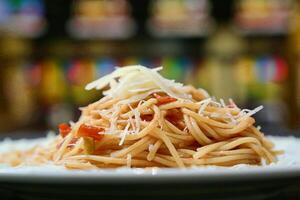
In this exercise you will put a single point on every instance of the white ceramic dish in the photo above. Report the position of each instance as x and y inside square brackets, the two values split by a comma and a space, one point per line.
[237, 182]
[287, 166]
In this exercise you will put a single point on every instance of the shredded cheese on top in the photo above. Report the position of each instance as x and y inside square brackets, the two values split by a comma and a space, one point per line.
[124, 134]
[203, 104]
[135, 79]
[222, 103]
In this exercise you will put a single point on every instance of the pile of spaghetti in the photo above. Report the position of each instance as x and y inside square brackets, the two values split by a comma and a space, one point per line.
[145, 120]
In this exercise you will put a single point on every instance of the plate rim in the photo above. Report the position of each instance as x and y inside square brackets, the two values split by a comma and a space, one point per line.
[114, 176]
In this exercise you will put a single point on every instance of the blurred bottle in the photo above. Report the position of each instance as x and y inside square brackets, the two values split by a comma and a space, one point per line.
[81, 72]
[180, 18]
[53, 92]
[267, 17]
[52, 88]
[266, 86]
[294, 61]
[218, 73]
[173, 68]
[17, 101]
[101, 19]
[23, 18]
[105, 65]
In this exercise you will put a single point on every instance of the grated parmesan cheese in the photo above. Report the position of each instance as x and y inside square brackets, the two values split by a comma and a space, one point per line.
[135, 79]
[203, 104]
[124, 134]
[250, 112]
[137, 117]
[222, 103]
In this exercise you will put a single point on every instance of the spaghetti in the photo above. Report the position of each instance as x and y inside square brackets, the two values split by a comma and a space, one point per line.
[145, 120]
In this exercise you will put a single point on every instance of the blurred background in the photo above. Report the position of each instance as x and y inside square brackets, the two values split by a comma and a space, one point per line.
[248, 50]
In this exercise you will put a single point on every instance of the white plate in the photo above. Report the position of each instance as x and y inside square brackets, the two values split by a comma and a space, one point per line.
[212, 182]
[209, 174]
[287, 166]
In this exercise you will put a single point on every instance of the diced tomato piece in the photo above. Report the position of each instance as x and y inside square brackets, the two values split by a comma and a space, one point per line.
[64, 129]
[99, 151]
[146, 117]
[175, 116]
[163, 99]
[90, 131]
